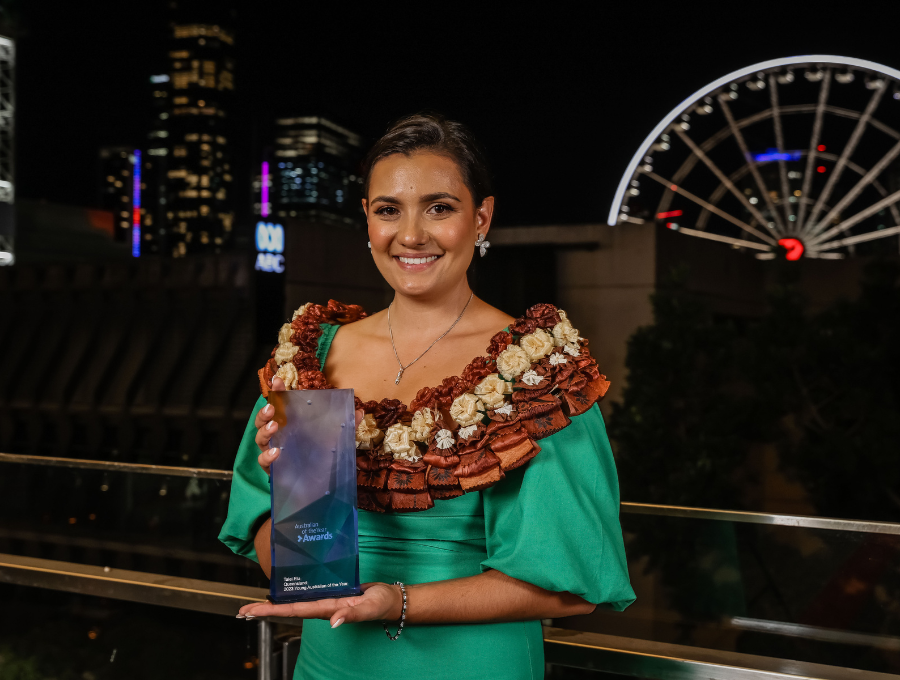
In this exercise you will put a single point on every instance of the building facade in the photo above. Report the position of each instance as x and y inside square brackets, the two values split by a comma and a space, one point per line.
[313, 167]
[117, 188]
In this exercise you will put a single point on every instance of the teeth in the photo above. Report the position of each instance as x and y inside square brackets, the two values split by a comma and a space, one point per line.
[418, 260]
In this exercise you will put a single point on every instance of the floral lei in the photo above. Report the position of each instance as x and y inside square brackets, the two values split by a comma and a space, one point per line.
[466, 433]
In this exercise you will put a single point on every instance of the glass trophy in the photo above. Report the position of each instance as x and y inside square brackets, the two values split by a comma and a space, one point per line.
[315, 543]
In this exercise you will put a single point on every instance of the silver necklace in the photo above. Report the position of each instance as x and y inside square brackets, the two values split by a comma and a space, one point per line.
[391, 331]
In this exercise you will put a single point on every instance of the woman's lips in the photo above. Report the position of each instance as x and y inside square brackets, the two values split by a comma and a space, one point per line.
[415, 263]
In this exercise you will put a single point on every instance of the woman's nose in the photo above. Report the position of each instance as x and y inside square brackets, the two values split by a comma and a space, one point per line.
[411, 232]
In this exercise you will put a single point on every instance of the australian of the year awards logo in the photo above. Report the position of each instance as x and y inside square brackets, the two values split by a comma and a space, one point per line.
[312, 532]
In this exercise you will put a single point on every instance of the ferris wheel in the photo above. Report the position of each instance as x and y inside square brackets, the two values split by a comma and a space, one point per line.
[797, 156]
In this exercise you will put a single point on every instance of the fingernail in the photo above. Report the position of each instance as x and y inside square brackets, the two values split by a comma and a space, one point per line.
[240, 616]
[268, 409]
[273, 452]
[270, 425]
[337, 623]
[249, 616]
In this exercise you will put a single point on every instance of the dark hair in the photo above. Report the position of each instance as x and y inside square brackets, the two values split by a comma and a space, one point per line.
[434, 133]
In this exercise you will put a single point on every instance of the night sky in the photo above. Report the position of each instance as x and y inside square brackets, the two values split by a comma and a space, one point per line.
[559, 96]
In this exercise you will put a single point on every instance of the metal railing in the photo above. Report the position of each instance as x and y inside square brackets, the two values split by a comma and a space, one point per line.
[569, 648]
[577, 649]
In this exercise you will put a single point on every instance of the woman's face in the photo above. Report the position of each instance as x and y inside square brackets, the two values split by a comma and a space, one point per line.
[423, 223]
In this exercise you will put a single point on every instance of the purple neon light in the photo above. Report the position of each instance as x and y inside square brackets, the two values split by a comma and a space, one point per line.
[136, 207]
[265, 190]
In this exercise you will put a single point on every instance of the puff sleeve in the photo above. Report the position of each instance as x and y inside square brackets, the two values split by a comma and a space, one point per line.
[250, 501]
[555, 522]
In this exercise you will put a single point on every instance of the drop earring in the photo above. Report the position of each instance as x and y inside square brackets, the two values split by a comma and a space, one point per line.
[370, 245]
[482, 244]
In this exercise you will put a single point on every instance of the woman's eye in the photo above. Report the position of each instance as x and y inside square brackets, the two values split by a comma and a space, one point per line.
[441, 209]
[387, 210]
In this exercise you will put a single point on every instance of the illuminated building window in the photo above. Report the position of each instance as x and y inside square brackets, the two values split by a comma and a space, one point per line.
[124, 199]
[204, 210]
[205, 193]
[180, 100]
[204, 237]
[159, 133]
[209, 67]
[148, 237]
[204, 180]
[220, 194]
[218, 240]
[220, 140]
[226, 177]
[188, 235]
[125, 214]
[118, 184]
[192, 137]
[177, 174]
[201, 102]
[205, 147]
[124, 225]
[180, 54]
[179, 151]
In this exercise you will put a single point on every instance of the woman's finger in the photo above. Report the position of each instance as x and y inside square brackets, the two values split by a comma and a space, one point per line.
[278, 384]
[263, 416]
[264, 434]
[362, 608]
[360, 414]
[266, 458]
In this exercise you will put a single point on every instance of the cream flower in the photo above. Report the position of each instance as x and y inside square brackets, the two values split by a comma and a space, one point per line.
[288, 373]
[506, 409]
[491, 390]
[466, 408]
[537, 345]
[422, 423]
[556, 359]
[285, 352]
[564, 333]
[444, 439]
[300, 311]
[398, 441]
[532, 378]
[466, 432]
[572, 350]
[284, 334]
[512, 362]
[367, 433]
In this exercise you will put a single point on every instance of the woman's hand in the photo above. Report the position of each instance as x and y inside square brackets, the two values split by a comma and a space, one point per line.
[266, 428]
[379, 602]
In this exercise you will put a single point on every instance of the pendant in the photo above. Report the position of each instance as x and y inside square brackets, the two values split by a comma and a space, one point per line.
[399, 375]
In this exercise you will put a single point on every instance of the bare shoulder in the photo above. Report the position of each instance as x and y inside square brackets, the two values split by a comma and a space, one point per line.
[489, 319]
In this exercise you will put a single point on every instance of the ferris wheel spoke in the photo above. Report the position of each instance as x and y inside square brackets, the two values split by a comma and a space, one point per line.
[866, 179]
[709, 206]
[824, 89]
[723, 239]
[779, 142]
[739, 137]
[723, 178]
[845, 155]
[855, 219]
[861, 238]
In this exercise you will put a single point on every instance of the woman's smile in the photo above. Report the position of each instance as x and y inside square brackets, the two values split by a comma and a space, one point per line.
[415, 262]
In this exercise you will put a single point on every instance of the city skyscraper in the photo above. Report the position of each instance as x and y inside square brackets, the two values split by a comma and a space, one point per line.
[189, 202]
[117, 188]
[7, 136]
[313, 166]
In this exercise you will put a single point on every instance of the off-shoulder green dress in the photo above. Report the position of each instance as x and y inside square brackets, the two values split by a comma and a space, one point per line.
[553, 523]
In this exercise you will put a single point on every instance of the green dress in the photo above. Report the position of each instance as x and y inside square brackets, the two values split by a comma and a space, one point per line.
[553, 523]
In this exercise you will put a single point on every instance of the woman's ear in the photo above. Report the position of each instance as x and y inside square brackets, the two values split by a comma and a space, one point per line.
[365, 207]
[483, 215]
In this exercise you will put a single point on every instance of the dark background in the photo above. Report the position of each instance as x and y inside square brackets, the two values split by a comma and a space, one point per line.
[560, 95]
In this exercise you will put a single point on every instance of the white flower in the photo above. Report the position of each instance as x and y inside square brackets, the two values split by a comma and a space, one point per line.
[444, 439]
[466, 409]
[556, 359]
[398, 441]
[367, 433]
[491, 390]
[288, 373]
[563, 333]
[532, 378]
[285, 352]
[512, 362]
[466, 432]
[284, 335]
[301, 310]
[422, 423]
[572, 350]
[506, 409]
[537, 345]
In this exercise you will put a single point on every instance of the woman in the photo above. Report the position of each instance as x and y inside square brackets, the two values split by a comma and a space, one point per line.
[490, 530]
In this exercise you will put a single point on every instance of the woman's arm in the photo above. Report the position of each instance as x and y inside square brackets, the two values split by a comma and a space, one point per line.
[488, 597]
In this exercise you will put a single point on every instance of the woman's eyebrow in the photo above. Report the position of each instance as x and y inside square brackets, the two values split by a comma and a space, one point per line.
[439, 195]
[386, 199]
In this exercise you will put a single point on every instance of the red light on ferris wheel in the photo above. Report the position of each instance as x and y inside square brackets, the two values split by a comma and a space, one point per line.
[821, 147]
[794, 248]
[671, 213]
[821, 169]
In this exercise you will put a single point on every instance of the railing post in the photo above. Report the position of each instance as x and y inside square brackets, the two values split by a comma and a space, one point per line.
[265, 650]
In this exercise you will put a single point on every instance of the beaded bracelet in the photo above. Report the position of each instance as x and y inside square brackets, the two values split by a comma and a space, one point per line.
[402, 614]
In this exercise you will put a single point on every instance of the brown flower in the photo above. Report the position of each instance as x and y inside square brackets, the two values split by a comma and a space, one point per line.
[499, 343]
[545, 315]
